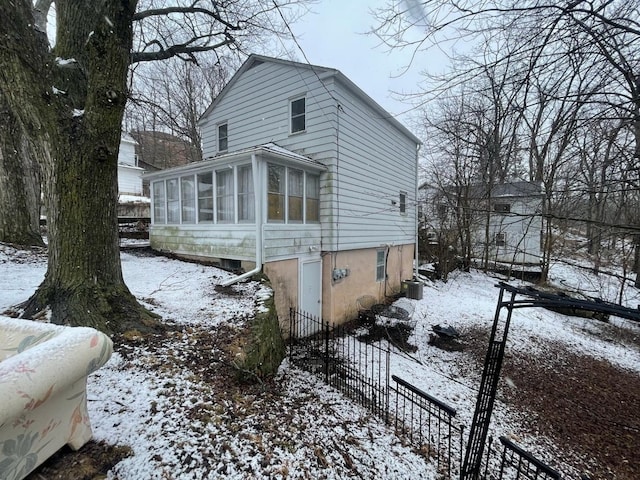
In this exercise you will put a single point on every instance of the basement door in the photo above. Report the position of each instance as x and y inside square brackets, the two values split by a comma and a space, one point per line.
[310, 299]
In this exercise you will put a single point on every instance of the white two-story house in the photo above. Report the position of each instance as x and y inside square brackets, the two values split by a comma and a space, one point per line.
[304, 178]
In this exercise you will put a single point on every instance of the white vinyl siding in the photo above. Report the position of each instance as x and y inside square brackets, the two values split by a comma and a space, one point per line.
[258, 106]
[376, 159]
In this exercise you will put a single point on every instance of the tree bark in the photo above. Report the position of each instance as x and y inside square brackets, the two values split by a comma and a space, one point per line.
[76, 127]
[19, 184]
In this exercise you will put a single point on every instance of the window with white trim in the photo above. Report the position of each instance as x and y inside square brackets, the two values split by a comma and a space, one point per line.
[205, 197]
[159, 199]
[224, 196]
[295, 195]
[223, 137]
[173, 201]
[298, 115]
[276, 193]
[312, 198]
[246, 200]
[188, 197]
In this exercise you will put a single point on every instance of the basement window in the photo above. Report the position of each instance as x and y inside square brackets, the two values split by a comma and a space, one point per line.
[380, 265]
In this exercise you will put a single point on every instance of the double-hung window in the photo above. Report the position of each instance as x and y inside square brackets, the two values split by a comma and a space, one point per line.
[298, 115]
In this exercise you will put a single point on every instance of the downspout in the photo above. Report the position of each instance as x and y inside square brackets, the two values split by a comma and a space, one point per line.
[417, 219]
[257, 196]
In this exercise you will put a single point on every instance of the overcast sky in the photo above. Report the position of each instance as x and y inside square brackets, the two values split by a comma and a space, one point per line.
[333, 35]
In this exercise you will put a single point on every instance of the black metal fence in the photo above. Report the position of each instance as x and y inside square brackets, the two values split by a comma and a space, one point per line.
[428, 425]
[361, 371]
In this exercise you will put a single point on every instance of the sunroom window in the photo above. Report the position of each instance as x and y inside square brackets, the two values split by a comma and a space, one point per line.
[296, 195]
[246, 200]
[188, 196]
[159, 206]
[313, 198]
[276, 193]
[224, 196]
[205, 197]
[173, 201]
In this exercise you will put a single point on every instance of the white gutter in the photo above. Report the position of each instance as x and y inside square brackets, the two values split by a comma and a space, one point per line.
[257, 195]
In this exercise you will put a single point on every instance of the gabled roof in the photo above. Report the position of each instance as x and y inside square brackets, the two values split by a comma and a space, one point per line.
[322, 73]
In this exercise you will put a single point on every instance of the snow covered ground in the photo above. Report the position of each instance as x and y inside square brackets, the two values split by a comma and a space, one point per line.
[178, 426]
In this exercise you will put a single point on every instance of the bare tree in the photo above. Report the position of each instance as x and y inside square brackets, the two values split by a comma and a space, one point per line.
[70, 100]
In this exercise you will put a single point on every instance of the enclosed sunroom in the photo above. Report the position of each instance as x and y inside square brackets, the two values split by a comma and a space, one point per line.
[248, 210]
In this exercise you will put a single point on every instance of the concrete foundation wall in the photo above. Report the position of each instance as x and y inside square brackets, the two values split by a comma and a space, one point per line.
[343, 298]
[283, 275]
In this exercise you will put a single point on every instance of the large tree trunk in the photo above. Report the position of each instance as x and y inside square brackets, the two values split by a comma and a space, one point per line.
[19, 184]
[79, 123]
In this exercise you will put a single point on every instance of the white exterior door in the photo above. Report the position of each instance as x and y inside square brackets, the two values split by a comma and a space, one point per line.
[310, 299]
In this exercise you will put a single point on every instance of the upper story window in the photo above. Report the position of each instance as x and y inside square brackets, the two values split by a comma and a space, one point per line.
[501, 239]
[298, 115]
[403, 202]
[223, 137]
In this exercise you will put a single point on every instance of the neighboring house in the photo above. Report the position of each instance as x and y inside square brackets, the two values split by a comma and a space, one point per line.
[132, 203]
[159, 150]
[129, 173]
[305, 178]
[508, 215]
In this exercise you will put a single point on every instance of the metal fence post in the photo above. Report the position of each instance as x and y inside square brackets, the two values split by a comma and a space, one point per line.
[326, 353]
